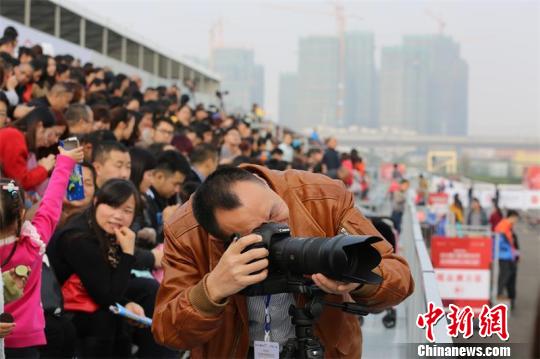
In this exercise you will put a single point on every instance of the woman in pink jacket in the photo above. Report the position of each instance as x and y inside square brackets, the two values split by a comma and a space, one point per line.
[22, 245]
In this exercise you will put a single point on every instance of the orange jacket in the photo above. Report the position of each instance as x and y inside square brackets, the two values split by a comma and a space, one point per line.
[505, 227]
[186, 318]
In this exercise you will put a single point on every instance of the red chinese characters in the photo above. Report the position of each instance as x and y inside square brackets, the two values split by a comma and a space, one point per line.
[494, 321]
[460, 321]
[491, 321]
[429, 319]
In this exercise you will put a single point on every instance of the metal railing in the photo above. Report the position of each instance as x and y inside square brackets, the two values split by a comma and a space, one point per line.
[414, 249]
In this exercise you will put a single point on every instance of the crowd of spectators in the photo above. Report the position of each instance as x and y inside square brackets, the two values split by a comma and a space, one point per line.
[146, 150]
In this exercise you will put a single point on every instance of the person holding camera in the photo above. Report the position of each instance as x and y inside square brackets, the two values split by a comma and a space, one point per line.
[210, 258]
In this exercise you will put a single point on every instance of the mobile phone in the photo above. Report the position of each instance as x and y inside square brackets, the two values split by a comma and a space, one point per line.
[70, 143]
[75, 191]
[123, 312]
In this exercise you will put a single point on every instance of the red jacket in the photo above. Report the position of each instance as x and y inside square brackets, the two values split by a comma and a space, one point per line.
[14, 158]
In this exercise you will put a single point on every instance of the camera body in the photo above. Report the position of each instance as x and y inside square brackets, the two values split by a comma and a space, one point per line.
[344, 258]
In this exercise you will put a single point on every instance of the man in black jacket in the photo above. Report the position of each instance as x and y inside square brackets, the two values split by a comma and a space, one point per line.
[163, 196]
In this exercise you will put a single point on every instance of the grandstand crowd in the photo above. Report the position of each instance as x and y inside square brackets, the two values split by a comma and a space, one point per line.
[143, 152]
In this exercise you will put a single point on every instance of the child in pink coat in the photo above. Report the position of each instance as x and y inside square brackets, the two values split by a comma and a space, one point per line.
[22, 245]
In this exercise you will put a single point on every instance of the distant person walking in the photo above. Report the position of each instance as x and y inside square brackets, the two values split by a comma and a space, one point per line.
[396, 173]
[508, 257]
[331, 157]
[496, 216]
[399, 200]
[476, 216]
[456, 209]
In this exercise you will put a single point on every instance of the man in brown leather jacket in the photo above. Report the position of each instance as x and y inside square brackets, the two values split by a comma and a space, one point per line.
[198, 306]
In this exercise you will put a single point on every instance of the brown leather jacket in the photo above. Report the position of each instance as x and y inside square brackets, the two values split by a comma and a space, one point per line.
[184, 316]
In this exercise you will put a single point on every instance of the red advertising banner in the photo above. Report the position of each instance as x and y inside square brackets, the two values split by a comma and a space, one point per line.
[470, 253]
[462, 269]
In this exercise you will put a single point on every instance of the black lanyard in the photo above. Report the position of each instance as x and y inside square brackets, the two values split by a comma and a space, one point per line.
[11, 253]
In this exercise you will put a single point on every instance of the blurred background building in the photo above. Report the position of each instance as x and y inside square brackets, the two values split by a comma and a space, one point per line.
[421, 85]
[241, 77]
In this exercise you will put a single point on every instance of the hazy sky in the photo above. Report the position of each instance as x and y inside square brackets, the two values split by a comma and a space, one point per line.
[500, 40]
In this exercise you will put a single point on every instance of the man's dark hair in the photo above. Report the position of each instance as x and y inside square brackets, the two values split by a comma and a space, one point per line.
[101, 152]
[77, 74]
[97, 82]
[156, 149]
[25, 51]
[101, 114]
[92, 169]
[61, 68]
[276, 151]
[216, 193]
[512, 213]
[202, 152]
[171, 162]
[232, 128]
[95, 137]
[163, 119]
[313, 150]
[11, 32]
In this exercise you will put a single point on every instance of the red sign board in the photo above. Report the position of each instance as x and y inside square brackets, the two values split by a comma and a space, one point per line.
[462, 269]
[463, 253]
[438, 198]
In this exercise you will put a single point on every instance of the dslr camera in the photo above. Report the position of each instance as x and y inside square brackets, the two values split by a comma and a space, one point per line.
[347, 258]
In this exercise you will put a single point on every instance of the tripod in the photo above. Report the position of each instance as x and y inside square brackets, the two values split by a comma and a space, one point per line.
[305, 345]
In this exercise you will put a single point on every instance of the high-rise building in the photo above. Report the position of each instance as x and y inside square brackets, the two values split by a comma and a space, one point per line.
[391, 88]
[424, 86]
[360, 80]
[317, 81]
[240, 76]
[257, 91]
[288, 95]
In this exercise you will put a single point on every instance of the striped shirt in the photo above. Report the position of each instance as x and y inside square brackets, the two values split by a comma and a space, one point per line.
[281, 327]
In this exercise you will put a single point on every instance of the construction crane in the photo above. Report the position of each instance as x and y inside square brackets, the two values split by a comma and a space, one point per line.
[438, 19]
[339, 14]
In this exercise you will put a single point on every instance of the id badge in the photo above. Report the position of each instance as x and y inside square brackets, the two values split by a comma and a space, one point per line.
[266, 350]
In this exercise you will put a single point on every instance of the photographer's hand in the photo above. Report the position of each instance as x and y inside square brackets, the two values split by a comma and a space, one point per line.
[331, 286]
[234, 270]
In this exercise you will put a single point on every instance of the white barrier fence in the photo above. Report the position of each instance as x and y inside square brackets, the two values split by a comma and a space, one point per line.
[413, 248]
